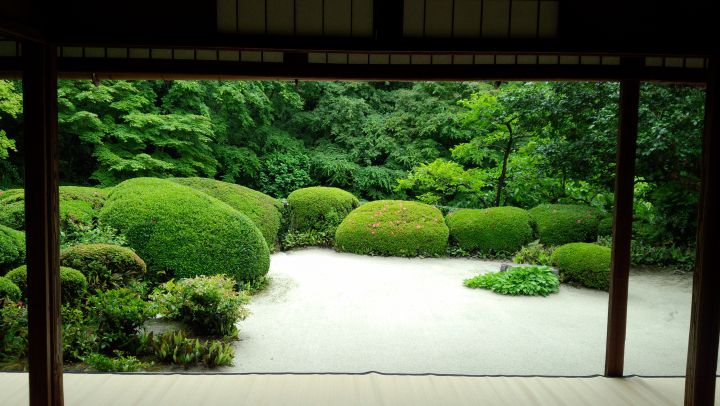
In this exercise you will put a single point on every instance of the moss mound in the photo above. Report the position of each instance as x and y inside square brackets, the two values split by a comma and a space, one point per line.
[490, 231]
[318, 207]
[78, 205]
[586, 264]
[9, 290]
[73, 284]
[12, 248]
[559, 224]
[393, 227]
[105, 266]
[262, 209]
[183, 232]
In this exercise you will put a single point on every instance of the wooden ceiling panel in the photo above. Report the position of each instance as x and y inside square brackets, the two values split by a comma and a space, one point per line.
[468, 14]
[309, 17]
[439, 18]
[495, 22]
[251, 16]
[337, 18]
[280, 17]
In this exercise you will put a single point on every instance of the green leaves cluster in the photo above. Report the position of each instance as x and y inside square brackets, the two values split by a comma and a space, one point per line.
[525, 280]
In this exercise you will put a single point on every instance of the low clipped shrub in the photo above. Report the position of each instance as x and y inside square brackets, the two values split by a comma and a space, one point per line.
[263, 210]
[534, 254]
[105, 266]
[118, 315]
[522, 280]
[9, 290]
[318, 207]
[182, 232]
[13, 331]
[559, 224]
[605, 227]
[12, 248]
[73, 284]
[584, 263]
[78, 206]
[490, 231]
[207, 304]
[393, 227]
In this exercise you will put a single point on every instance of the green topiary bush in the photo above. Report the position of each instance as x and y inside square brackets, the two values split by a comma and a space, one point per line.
[586, 264]
[490, 231]
[262, 209]
[12, 248]
[78, 206]
[393, 227]
[73, 284]
[310, 207]
[183, 232]
[559, 224]
[9, 290]
[605, 227]
[105, 266]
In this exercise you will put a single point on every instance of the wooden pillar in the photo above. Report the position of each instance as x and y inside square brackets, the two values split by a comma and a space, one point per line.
[705, 316]
[622, 227]
[41, 222]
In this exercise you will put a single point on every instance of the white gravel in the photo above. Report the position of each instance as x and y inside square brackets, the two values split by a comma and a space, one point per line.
[331, 312]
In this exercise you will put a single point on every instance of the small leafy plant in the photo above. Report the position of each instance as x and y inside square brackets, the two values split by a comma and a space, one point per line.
[174, 347]
[118, 314]
[526, 280]
[119, 363]
[534, 254]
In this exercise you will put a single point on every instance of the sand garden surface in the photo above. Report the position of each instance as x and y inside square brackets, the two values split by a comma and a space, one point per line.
[330, 312]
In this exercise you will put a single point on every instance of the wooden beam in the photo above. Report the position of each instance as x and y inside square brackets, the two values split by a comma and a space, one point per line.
[622, 227]
[41, 223]
[705, 315]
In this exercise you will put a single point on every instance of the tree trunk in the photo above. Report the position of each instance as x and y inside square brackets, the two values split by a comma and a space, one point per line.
[503, 172]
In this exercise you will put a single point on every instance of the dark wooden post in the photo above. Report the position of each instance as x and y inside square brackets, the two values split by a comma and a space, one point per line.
[622, 227]
[705, 315]
[41, 222]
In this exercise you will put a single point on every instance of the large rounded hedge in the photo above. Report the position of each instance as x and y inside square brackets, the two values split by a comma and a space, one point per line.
[12, 248]
[393, 227]
[494, 230]
[105, 266]
[584, 263]
[319, 207]
[78, 205]
[183, 232]
[262, 209]
[9, 290]
[73, 284]
[605, 226]
[559, 224]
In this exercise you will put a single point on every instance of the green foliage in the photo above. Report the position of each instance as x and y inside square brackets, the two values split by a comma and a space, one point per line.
[176, 348]
[12, 208]
[78, 337]
[605, 226]
[180, 231]
[207, 304]
[281, 173]
[584, 263]
[13, 330]
[393, 227]
[73, 284]
[263, 210]
[443, 182]
[105, 266]
[12, 248]
[118, 315]
[524, 280]
[534, 254]
[494, 230]
[10, 107]
[311, 206]
[91, 234]
[559, 224]
[641, 253]
[9, 290]
[117, 363]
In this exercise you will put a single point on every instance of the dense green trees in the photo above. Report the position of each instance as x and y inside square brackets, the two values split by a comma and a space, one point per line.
[473, 145]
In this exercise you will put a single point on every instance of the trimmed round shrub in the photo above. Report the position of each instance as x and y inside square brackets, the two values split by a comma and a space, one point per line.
[73, 284]
[262, 209]
[182, 232]
[319, 207]
[393, 227]
[559, 224]
[584, 263]
[9, 290]
[605, 226]
[491, 231]
[12, 248]
[78, 205]
[104, 265]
